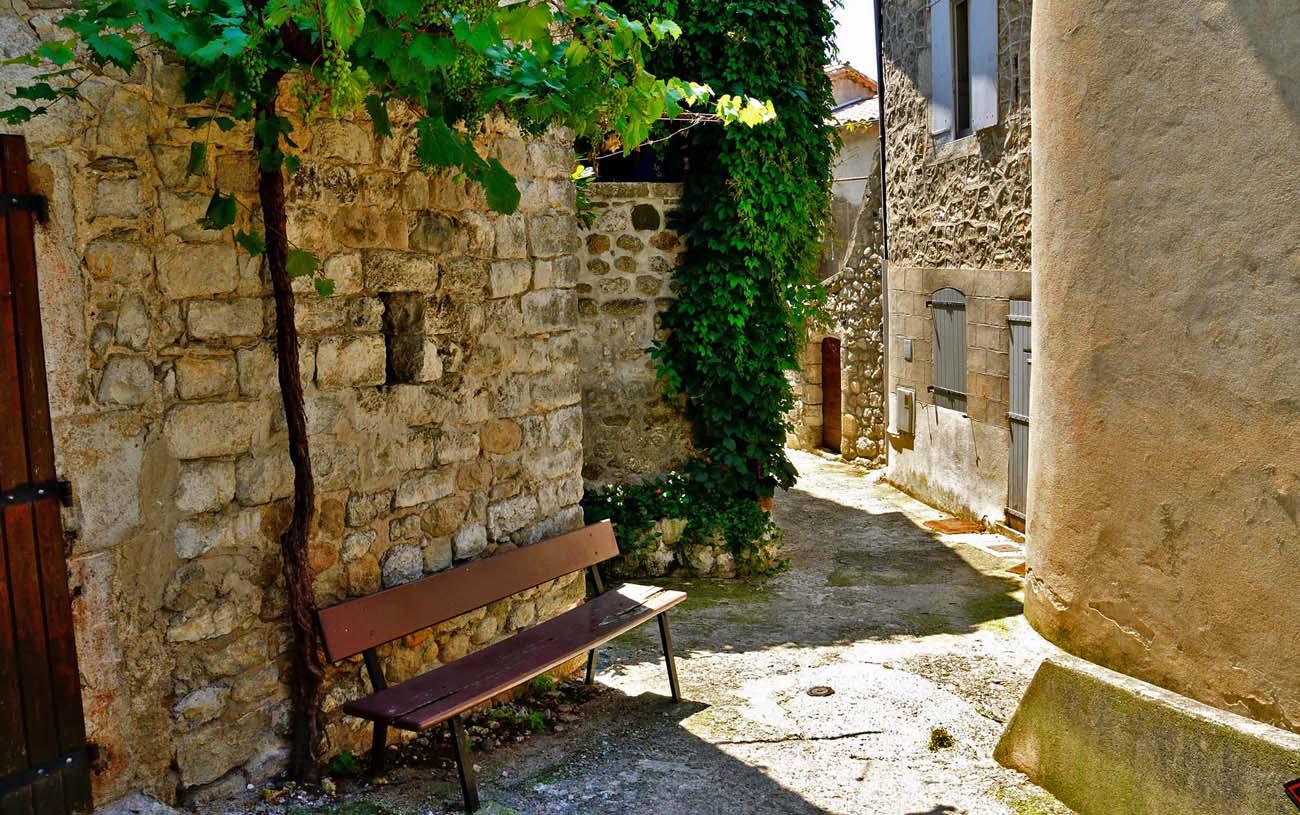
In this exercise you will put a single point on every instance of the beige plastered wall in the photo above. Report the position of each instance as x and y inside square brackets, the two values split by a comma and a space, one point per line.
[1165, 479]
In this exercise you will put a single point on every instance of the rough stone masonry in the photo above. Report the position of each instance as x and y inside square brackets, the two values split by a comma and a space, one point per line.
[442, 396]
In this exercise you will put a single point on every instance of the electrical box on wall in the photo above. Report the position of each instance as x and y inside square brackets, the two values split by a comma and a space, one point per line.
[902, 412]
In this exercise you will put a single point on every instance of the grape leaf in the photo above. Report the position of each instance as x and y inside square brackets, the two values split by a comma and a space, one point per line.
[378, 111]
[345, 19]
[502, 191]
[198, 159]
[432, 52]
[251, 242]
[221, 211]
[301, 264]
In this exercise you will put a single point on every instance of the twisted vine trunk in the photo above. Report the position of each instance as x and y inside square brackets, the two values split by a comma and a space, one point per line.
[307, 669]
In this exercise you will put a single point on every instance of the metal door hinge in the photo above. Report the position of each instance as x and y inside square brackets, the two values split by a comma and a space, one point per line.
[25, 778]
[31, 493]
[25, 202]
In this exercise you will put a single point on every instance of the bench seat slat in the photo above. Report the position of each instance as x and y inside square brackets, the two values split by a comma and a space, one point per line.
[430, 699]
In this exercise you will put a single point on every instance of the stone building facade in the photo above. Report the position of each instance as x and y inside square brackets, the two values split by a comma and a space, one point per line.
[442, 393]
[625, 282]
[851, 273]
[959, 218]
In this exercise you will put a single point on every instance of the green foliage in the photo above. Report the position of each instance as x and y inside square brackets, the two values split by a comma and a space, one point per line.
[578, 63]
[519, 717]
[754, 209]
[541, 685]
[345, 763]
[713, 516]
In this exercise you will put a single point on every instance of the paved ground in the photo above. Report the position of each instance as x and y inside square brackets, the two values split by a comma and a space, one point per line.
[913, 632]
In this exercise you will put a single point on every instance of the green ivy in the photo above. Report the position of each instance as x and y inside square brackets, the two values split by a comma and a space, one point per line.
[754, 209]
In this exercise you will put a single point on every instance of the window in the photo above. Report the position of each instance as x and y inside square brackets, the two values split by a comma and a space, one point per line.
[964, 63]
[948, 312]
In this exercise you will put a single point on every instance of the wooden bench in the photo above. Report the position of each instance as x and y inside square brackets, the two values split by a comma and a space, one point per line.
[445, 693]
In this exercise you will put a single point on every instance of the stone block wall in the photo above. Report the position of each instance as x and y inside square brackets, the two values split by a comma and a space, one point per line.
[958, 212]
[625, 283]
[442, 394]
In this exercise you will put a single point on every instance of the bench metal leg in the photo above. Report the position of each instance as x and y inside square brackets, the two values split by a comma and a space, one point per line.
[465, 764]
[591, 666]
[378, 748]
[668, 656]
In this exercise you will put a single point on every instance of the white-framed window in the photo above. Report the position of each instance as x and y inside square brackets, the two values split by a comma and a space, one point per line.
[964, 67]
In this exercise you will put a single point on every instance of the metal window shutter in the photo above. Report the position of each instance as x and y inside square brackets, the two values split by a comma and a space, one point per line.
[948, 312]
[941, 77]
[983, 63]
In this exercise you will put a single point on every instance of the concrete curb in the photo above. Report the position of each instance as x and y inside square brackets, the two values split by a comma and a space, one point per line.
[1107, 744]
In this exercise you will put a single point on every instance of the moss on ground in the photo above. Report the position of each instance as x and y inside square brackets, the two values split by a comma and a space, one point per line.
[926, 623]
[1027, 802]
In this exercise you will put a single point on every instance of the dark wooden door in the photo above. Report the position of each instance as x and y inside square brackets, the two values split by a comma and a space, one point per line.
[832, 395]
[43, 762]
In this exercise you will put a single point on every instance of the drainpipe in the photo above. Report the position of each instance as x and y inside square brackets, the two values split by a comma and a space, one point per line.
[884, 221]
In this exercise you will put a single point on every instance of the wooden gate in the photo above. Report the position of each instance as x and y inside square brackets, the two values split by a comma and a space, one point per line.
[832, 395]
[1018, 414]
[43, 758]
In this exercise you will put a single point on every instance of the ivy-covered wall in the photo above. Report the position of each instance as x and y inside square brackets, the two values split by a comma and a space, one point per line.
[753, 211]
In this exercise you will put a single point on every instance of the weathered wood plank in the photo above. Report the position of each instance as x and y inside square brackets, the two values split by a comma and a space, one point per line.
[434, 697]
[353, 626]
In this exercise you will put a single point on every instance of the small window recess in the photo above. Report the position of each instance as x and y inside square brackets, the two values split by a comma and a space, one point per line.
[961, 66]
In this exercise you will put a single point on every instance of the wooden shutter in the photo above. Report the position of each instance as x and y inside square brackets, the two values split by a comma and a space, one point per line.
[983, 63]
[43, 758]
[941, 77]
[948, 311]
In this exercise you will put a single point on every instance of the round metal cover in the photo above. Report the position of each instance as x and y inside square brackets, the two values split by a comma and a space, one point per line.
[821, 690]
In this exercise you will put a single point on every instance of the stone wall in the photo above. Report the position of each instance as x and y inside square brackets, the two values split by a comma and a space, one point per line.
[854, 316]
[442, 395]
[958, 212]
[624, 284]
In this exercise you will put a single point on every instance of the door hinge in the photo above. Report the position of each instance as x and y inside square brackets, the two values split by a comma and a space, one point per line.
[25, 778]
[25, 202]
[31, 493]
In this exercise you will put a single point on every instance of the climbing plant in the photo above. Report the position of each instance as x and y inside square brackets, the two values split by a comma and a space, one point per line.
[754, 209]
[445, 64]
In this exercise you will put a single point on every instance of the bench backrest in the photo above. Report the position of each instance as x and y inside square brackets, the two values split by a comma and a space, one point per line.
[354, 626]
